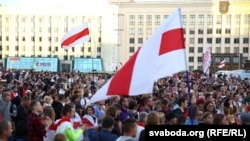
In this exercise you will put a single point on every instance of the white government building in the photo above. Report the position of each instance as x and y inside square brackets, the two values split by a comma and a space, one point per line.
[119, 27]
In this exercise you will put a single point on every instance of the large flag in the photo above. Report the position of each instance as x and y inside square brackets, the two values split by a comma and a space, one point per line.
[222, 64]
[75, 36]
[163, 54]
[206, 59]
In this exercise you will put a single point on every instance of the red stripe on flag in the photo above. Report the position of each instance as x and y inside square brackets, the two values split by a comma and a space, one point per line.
[120, 83]
[172, 40]
[75, 37]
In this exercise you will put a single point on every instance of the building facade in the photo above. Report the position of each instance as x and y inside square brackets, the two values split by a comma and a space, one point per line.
[224, 25]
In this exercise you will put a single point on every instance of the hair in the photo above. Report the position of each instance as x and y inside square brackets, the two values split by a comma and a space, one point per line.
[181, 100]
[107, 122]
[111, 111]
[61, 97]
[218, 118]
[205, 115]
[60, 137]
[152, 118]
[26, 98]
[67, 108]
[49, 111]
[89, 107]
[4, 125]
[128, 124]
[132, 104]
[33, 104]
[142, 116]
[162, 119]
[181, 120]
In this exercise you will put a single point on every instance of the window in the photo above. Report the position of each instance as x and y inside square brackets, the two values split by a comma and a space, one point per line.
[227, 31]
[40, 48]
[184, 19]
[191, 49]
[236, 50]
[33, 39]
[200, 49]
[209, 19]
[192, 19]
[16, 48]
[131, 20]
[235, 59]
[218, 31]
[149, 19]
[200, 40]
[218, 40]
[245, 40]
[49, 48]
[227, 49]
[140, 40]
[131, 40]
[209, 40]
[228, 19]
[89, 49]
[140, 31]
[98, 49]
[191, 59]
[247, 19]
[157, 19]
[237, 19]
[40, 39]
[201, 19]
[218, 19]
[191, 68]
[7, 38]
[73, 49]
[218, 49]
[131, 31]
[165, 16]
[140, 19]
[191, 40]
[65, 57]
[236, 40]
[191, 31]
[200, 31]
[217, 60]
[245, 49]
[209, 31]
[199, 59]
[131, 49]
[56, 39]
[227, 40]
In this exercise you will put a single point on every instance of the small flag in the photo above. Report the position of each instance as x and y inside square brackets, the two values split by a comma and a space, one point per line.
[75, 36]
[222, 64]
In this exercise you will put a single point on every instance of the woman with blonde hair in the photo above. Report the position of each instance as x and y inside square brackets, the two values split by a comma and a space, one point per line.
[49, 116]
[152, 119]
[162, 119]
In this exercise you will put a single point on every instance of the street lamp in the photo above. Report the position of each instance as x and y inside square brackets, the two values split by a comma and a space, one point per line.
[239, 60]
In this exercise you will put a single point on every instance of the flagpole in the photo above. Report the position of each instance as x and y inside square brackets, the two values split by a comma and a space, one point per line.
[190, 99]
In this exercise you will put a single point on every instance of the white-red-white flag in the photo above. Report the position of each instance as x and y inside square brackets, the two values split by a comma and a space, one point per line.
[206, 59]
[222, 64]
[76, 36]
[163, 54]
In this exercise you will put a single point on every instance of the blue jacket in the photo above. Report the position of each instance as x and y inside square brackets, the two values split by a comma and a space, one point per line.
[103, 135]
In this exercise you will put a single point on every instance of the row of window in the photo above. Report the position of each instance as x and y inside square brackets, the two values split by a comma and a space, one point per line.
[201, 40]
[40, 39]
[49, 19]
[217, 59]
[200, 31]
[192, 19]
[18, 48]
[200, 49]
[65, 57]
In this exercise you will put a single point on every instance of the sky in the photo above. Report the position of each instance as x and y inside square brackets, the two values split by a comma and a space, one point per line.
[51, 2]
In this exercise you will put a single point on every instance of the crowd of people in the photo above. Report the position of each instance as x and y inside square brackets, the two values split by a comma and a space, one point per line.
[45, 106]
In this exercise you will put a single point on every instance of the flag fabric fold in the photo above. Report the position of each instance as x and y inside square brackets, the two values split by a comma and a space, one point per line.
[163, 54]
[206, 59]
[76, 36]
[222, 64]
